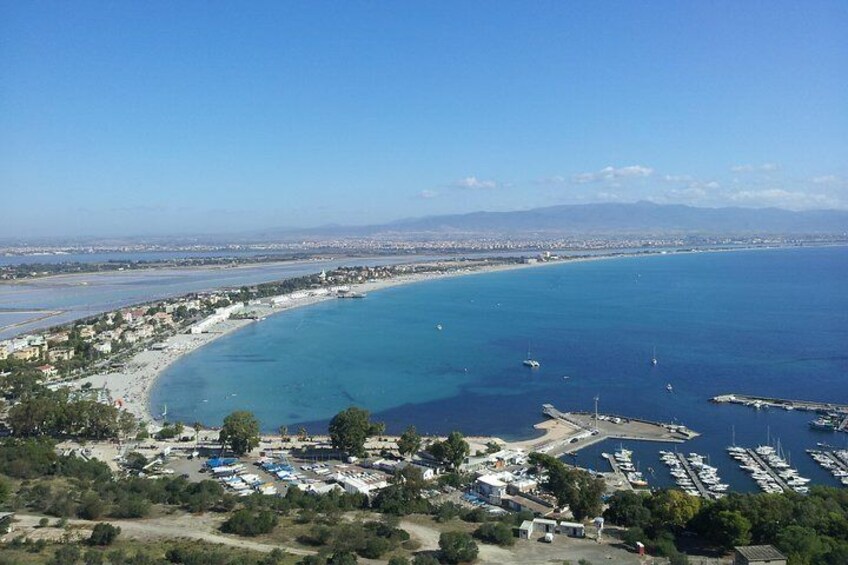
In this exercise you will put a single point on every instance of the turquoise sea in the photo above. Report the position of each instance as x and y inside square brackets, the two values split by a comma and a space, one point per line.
[769, 322]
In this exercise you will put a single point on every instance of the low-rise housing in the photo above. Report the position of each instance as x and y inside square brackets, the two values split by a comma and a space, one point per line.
[104, 347]
[60, 354]
[27, 353]
[48, 370]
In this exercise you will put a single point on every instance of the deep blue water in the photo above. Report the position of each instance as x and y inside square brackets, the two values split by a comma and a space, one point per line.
[761, 322]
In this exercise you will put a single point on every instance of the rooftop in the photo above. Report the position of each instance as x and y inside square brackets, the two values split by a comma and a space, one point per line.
[759, 552]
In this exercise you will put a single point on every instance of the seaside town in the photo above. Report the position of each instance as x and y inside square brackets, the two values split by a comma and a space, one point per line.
[424, 283]
[515, 491]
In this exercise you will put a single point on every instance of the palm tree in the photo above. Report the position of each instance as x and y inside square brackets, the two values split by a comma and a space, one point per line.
[197, 427]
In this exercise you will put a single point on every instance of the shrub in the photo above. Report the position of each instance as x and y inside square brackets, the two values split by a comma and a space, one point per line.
[496, 533]
[103, 534]
[457, 547]
[248, 523]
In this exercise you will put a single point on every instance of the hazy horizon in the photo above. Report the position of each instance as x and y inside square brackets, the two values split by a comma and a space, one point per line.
[164, 119]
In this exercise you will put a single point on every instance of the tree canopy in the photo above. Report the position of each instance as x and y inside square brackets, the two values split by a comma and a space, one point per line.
[452, 451]
[350, 428]
[240, 432]
[574, 487]
[409, 442]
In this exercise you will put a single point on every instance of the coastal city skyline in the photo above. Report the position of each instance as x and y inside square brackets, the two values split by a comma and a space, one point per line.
[171, 119]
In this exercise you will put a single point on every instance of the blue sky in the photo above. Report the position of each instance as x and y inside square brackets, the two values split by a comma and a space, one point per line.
[171, 117]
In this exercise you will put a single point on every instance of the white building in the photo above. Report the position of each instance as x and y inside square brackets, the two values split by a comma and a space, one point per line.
[491, 489]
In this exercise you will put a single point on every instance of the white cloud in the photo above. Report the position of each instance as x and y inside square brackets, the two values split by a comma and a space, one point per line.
[677, 178]
[784, 199]
[613, 173]
[556, 179]
[763, 168]
[827, 179]
[473, 183]
[427, 194]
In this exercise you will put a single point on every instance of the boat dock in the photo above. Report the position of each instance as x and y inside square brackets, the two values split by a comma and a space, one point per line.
[617, 471]
[786, 404]
[693, 476]
[767, 468]
[834, 462]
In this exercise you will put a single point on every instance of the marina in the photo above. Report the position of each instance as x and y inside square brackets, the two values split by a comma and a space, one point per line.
[769, 469]
[835, 462]
[622, 465]
[694, 475]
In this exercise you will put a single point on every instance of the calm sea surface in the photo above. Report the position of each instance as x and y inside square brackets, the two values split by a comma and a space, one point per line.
[760, 322]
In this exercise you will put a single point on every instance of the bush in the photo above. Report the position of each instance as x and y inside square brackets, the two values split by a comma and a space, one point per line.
[249, 523]
[457, 547]
[103, 534]
[495, 532]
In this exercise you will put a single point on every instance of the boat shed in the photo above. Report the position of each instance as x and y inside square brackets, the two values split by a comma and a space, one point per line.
[572, 529]
[525, 530]
[758, 555]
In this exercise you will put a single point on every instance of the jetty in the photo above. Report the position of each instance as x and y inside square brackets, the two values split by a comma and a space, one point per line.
[786, 404]
[767, 468]
[693, 476]
[619, 474]
[589, 428]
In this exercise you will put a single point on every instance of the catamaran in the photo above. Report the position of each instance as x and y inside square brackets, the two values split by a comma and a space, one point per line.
[530, 362]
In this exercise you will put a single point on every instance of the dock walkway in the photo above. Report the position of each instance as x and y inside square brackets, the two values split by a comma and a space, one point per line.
[617, 470]
[767, 468]
[702, 490]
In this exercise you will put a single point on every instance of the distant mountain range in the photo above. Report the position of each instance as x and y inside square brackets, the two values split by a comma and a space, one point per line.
[634, 218]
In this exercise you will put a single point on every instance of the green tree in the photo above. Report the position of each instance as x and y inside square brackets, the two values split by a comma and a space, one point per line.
[350, 428]
[135, 461]
[802, 545]
[729, 528]
[673, 508]
[626, 508]
[409, 442]
[457, 547]
[452, 451]
[240, 432]
[574, 487]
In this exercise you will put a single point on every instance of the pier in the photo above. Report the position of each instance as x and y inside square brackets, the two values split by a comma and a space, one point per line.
[618, 472]
[786, 404]
[767, 468]
[693, 476]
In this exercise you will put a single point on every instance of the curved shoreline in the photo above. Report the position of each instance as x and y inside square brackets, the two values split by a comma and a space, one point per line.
[133, 385]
